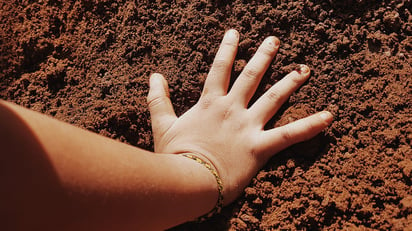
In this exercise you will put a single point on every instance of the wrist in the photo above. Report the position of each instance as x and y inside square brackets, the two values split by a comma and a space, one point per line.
[232, 188]
[200, 182]
[212, 169]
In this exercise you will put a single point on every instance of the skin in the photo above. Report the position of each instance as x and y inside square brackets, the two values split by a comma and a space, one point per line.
[57, 176]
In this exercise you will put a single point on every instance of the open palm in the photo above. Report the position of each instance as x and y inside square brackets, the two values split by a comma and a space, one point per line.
[220, 128]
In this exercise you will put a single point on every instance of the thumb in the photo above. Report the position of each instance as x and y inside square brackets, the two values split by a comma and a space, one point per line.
[160, 106]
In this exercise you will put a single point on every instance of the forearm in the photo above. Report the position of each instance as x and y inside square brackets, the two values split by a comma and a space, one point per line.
[69, 177]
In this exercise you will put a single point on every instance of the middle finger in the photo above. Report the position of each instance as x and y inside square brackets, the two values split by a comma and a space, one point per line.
[246, 84]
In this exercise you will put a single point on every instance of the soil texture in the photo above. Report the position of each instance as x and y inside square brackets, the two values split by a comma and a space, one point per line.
[87, 62]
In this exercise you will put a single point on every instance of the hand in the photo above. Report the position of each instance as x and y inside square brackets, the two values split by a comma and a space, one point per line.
[220, 128]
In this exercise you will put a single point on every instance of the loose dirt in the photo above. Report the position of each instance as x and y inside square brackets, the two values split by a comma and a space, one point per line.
[87, 62]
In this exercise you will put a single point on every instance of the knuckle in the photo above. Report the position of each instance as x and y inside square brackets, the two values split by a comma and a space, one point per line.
[205, 102]
[229, 44]
[154, 101]
[220, 64]
[227, 113]
[286, 134]
[273, 96]
[254, 153]
[250, 73]
[307, 132]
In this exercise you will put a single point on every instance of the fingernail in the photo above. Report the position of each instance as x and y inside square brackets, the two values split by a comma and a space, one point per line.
[273, 41]
[277, 42]
[231, 34]
[326, 116]
[156, 79]
[303, 69]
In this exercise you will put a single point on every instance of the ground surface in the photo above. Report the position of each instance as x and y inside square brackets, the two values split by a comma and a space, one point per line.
[87, 62]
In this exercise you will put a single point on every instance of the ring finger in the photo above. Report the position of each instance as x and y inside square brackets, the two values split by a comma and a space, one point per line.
[268, 104]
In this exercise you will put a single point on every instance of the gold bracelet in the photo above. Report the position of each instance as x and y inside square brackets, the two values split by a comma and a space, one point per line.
[219, 203]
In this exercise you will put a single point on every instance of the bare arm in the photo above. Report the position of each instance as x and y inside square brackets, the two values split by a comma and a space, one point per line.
[57, 175]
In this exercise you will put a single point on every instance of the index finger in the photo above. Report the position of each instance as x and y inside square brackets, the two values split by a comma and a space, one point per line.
[217, 81]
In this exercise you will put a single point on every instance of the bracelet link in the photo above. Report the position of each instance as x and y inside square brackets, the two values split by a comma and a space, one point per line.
[219, 203]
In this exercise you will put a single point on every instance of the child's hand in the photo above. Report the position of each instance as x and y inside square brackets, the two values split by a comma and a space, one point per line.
[220, 128]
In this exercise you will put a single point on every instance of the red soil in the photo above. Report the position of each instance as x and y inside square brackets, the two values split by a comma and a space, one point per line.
[87, 62]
